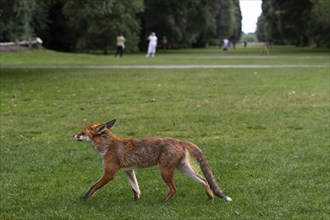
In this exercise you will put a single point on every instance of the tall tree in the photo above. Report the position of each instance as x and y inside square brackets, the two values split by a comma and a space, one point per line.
[172, 19]
[298, 22]
[20, 20]
[6, 20]
[58, 35]
[222, 20]
[96, 23]
[191, 22]
[319, 29]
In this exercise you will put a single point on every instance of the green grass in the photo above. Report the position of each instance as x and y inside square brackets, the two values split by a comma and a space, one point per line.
[264, 131]
[254, 54]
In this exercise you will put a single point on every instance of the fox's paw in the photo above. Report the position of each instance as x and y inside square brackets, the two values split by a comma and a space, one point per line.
[84, 197]
[228, 199]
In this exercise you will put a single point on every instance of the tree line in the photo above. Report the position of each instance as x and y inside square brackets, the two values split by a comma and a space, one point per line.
[296, 22]
[92, 25]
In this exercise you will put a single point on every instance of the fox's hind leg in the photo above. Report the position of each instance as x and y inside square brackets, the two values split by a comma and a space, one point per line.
[167, 175]
[188, 170]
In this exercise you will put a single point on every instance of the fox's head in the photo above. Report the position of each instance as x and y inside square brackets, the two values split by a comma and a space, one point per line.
[91, 131]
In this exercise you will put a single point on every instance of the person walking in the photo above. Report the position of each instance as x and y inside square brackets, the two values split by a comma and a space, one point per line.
[120, 45]
[152, 44]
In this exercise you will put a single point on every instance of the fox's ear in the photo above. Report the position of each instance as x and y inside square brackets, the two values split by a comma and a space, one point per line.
[110, 123]
[101, 128]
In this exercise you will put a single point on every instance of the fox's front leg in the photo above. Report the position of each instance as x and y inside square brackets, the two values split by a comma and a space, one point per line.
[107, 176]
[134, 183]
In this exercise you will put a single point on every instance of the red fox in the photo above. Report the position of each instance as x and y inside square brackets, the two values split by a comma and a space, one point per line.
[126, 154]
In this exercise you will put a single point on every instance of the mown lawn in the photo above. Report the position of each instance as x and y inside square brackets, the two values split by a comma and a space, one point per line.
[264, 131]
[253, 55]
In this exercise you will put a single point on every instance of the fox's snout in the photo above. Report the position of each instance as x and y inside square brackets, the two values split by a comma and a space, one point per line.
[76, 137]
[79, 137]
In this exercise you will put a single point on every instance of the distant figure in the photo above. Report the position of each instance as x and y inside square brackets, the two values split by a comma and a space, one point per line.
[244, 44]
[234, 43]
[152, 44]
[266, 47]
[225, 44]
[270, 43]
[120, 45]
[164, 43]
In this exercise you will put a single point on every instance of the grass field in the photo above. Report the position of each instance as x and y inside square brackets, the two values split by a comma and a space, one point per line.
[255, 54]
[265, 133]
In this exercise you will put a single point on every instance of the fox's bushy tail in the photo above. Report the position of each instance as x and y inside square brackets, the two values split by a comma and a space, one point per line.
[201, 158]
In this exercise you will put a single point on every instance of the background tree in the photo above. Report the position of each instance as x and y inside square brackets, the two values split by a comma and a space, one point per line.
[189, 23]
[96, 23]
[175, 19]
[21, 20]
[224, 21]
[298, 22]
[249, 38]
[319, 28]
[92, 25]
[58, 35]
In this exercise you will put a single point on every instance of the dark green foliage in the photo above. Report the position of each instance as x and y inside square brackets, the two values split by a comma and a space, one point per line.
[70, 25]
[192, 22]
[21, 20]
[97, 23]
[58, 35]
[297, 22]
[92, 25]
[320, 24]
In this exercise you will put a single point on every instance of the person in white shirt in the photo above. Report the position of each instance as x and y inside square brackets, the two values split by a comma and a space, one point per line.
[225, 44]
[152, 44]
